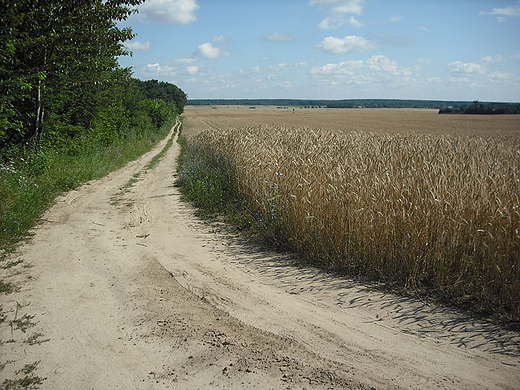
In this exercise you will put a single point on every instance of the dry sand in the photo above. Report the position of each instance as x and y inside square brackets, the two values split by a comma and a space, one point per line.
[133, 292]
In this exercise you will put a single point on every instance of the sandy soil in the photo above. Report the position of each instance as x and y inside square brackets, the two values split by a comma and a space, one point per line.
[132, 292]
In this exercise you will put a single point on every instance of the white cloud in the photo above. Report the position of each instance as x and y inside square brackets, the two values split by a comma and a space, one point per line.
[192, 70]
[176, 11]
[435, 80]
[332, 22]
[493, 59]
[354, 22]
[338, 20]
[501, 77]
[516, 57]
[512, 10]
[207, 50]
[284, 85]
[136, 45]
[345, 45]
[470, 68]
[424, 28]
[376, 63]
[159, 71]
[221, 39]
[342, 68]
[340, 6]
[279, 37]
[293, 65]
[380, 62]
[395, 18]
[182, 61]
[337, 10]
[425, 60]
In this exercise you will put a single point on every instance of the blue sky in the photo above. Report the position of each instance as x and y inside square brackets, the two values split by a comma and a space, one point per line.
[330, 49]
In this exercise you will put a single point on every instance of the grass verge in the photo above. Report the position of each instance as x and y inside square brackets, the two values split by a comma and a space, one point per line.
[30, 183]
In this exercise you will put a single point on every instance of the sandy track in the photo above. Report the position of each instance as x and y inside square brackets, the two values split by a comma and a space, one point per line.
[134, 293]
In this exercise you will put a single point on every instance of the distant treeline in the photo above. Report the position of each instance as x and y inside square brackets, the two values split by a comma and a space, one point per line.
[479, 108]
[351, 103]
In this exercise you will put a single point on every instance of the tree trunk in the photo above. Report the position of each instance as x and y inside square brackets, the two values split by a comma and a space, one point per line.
[38, 122]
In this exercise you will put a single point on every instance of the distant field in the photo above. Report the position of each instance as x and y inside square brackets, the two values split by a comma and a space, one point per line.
[354, 119]
[417, 200]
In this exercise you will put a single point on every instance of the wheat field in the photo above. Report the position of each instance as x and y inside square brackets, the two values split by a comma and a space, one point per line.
[416, 200]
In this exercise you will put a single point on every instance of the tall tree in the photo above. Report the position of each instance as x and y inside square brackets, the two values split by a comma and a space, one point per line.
[48, 45]
[153, 89]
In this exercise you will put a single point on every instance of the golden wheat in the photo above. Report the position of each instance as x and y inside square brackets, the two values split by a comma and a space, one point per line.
[420, 210]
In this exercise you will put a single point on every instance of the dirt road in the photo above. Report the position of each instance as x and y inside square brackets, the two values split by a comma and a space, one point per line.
[132, 292]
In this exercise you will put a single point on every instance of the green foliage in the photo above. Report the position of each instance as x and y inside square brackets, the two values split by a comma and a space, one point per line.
[202, 182]
[29, 183]
[479, 108]
[348, 103]
[159, 111]
[26, 379]
[68, 112]
[51, 52]
[153, 89]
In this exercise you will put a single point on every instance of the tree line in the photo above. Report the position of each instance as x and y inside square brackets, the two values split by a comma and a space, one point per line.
[478, 108]
[348, 103]
[60, 80]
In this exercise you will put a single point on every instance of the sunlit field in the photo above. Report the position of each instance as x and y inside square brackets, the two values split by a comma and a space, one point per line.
[362, 119]
[423, 202]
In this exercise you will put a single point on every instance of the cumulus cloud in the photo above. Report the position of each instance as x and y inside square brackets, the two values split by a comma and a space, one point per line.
[192, 70]
[340, 6]
[221, 39]
[377, 63]
[159, 71]
[292, 65]
[395, 18]
[434, 80]
[459, 67]
[342, 68]
[139, 45]
[338, 20]
[207, 50]
[279, 37]
[384, 39]
[381, 62]
[512, 10]
[176, 11]
[284, 66]
[493, 59]
[501, 77]
[337, 10]
[345, 45]
[189, 60]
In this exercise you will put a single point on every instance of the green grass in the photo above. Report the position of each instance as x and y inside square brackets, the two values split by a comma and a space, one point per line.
[30, 182]
[203, 183]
